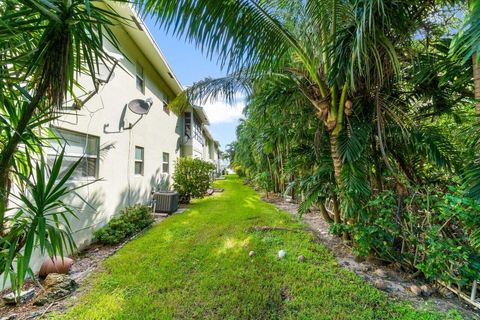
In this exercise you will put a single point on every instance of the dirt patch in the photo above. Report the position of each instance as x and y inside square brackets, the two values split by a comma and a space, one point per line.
[385, 277]
[86, 262]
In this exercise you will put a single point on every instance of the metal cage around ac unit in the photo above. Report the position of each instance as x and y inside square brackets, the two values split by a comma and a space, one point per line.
[165, 202]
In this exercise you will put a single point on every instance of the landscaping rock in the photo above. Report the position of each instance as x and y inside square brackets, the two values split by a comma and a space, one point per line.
[380, 273]
[57, 286]
[375, 261]
[24, 296]
[426, 290]
[251, 253]
[365, 268]
[301, 258]
[33, 315]
[381, 284]
[359, 259]
[416, 290]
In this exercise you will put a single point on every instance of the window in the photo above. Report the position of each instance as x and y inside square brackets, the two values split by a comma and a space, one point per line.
[166, 163]
[166, 109]
[188, 125]
[197, 130]
[139, 160]
[77, 146]
[140, 78]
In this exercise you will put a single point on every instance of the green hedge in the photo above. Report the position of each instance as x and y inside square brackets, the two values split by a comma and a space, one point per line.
[192, 178]
[130, 221]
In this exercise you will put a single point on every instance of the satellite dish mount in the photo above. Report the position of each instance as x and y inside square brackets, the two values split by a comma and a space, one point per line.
[140, 107]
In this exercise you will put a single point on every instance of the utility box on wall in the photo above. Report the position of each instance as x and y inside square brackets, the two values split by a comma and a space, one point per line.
[165, 202]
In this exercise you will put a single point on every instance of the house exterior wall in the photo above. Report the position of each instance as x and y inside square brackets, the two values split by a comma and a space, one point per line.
[106, 116]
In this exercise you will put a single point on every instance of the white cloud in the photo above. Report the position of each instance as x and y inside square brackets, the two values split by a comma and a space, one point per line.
[221, 112]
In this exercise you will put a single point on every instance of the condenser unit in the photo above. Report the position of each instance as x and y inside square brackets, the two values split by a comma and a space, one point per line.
[165, 202]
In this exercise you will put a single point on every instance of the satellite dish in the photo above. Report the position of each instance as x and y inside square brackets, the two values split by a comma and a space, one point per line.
[140, 106]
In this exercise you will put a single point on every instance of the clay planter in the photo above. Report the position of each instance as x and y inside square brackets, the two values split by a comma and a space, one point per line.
[55, 265]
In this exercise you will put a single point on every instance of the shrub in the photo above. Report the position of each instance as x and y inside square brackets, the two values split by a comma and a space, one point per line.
[130, 221]
[192, 178]
[437, 233]
[239, 171]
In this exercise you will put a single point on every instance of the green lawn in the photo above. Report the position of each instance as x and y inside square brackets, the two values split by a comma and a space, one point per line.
[195, 265]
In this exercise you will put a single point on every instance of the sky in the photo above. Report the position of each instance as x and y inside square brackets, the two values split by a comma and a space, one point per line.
[189, 66]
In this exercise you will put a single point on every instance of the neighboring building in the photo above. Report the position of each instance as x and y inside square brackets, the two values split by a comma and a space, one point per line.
[130, 154]
[197, 141]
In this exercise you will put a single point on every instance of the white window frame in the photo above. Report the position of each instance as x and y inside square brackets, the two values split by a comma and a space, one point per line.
[141, 161]
[166, 163]
[52, 152]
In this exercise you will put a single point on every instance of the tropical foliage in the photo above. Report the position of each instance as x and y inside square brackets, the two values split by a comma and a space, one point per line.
[44, 47]
[357, 108]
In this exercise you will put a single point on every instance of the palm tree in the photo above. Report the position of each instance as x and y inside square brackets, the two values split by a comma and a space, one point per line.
[332, 51]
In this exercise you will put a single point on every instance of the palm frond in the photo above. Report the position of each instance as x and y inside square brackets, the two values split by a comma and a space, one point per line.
[242, 33]
[467, 41]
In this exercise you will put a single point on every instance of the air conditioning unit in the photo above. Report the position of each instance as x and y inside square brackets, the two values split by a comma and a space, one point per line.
[165, 202]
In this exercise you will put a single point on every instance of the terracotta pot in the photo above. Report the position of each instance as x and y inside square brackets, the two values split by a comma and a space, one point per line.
[55, 265]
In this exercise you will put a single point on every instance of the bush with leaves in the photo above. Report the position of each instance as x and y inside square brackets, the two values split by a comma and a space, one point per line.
[437, 233]
[192, 178]
[130, 221]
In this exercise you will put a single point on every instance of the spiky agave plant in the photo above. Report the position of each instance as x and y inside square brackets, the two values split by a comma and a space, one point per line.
[40, 220]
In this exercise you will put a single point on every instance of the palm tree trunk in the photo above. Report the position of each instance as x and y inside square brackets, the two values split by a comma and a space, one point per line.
[476, 79]
[337, 162]
[324, 213]
[336, 210]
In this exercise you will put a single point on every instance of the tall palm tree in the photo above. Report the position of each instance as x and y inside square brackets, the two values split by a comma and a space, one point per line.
[330, 49]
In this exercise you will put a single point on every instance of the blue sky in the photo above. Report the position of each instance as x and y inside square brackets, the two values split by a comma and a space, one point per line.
[190, 65]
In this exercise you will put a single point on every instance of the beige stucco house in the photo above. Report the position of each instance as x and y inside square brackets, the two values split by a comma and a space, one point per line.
[129, 154]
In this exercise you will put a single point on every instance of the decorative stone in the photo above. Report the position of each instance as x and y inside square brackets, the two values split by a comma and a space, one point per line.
[426, 290]
[33, 315]
[374, 260]
[57, 286]
[380, 273]
[281, 254]
[359, 259]
[12, 298]
[365, 268]
[301, 258]
[251, 253]
[416, 290]
[381, 284]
